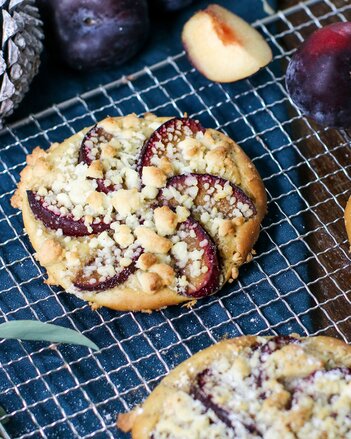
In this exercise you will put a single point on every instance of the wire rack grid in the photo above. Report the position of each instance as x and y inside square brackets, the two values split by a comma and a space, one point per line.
[297, 282]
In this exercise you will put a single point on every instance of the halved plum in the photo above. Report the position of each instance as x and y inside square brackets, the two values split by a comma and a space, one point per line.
[55, 221]
[201, 391]
[93, 138]
[92, 281]
[163, 142]
[209, 192]
[203, 275]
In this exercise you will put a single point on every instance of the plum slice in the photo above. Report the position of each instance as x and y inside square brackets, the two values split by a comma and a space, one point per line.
[203, 274]
[344, 372]
[163, 142]
[265, 349]
[201, 391]
[54, 220]
[92, 139]
[307, 385]
[90, 281]
[87, 154]
[274, 344]
[210, 194]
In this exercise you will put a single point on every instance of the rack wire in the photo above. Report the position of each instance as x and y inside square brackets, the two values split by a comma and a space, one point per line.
[298, 282]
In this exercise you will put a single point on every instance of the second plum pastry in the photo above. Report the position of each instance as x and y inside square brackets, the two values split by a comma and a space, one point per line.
[141, 213]
[348, 219]
[279, 387]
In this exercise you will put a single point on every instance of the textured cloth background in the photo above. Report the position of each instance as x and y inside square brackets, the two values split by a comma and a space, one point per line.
[56, 82]
[259, 301]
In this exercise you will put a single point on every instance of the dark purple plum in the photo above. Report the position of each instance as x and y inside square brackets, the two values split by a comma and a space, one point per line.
[201, 390]
[208, 187]
[170, 5]
[318, 76]
[66, 223]
[100, 136]
[99, 33]
[92, 282]
[206, 283]
[177, 129]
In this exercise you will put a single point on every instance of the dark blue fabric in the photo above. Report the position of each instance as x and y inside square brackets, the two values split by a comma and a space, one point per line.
[268, 294]
[56, 82]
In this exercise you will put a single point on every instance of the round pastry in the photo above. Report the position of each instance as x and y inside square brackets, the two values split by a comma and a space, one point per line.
[141, 213]
[252, 387]
[348, 219]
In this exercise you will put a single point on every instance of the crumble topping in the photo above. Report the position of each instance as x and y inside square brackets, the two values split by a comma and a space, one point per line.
[277, 388]
[98, 182]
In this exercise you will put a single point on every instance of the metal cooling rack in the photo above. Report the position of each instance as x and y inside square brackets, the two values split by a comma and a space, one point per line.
[298, 282]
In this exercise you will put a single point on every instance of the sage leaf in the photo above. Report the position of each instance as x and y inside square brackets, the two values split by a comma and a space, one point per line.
[39, 331]
[2, 412]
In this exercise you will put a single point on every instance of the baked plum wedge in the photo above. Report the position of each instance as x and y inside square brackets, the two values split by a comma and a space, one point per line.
[344, 372]
[163, 142]
[90, 151]
[54, 220]
[312, 387]
[210, 194]
[201, 391]
[201, 265]
[89, 279]
[274, 344]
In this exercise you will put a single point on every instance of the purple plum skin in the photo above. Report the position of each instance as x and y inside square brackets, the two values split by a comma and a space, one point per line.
[199, 392]
[84, 150]
[99, 33]
[275, 343]
[66, 223]
[279, 342]
[112, 281]
[210, 282]
[84, 156]
[318, 76]
[161, 135]
[178, 182]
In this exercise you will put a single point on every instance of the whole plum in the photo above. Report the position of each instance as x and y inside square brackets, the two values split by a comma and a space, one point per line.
[318, 77]
[99, 33]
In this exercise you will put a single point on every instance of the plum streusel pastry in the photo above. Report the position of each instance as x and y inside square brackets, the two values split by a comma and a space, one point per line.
[279, 387]
[348, 219]
[140, 213]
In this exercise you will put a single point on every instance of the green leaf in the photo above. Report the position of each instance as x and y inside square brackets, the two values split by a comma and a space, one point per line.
[39, 331]
[2, 412]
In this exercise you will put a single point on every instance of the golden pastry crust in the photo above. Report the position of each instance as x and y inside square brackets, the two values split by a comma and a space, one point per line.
[348, 219]
[149, 288]
[273, 413]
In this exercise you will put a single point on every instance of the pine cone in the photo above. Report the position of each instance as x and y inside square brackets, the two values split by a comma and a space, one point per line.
[21, 33]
